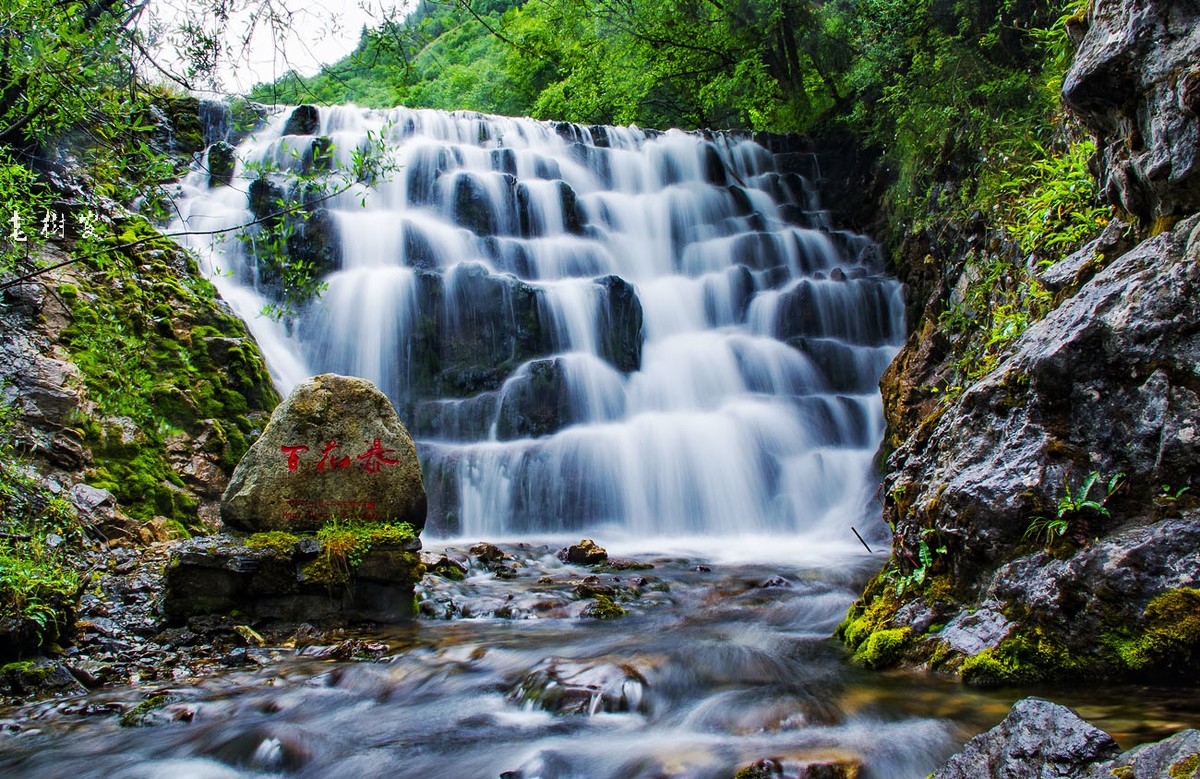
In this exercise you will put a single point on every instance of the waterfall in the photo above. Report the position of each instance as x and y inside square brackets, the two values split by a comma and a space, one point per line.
[584, 329]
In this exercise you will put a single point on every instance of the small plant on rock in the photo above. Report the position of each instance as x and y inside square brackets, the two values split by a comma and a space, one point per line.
[1074, 510]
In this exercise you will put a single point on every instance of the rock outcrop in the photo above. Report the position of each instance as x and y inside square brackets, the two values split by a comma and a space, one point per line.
[1136, 81]
[334, 450]
[1044, 522]
[1044, 739]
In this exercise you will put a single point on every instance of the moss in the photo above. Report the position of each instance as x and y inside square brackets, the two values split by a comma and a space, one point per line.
[1123, 772]
[753, 772]
[138, 716]
[1168, 638]
[883, 648]
[1030, 657]
[604, 607]
[614, 566]
[343, 545]
[138, 335]
[1185, 768]
[871, 613]
[18, 667]
[279, 541]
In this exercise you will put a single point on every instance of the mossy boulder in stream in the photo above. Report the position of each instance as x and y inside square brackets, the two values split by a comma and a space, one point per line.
[334, 450]
[346, 572]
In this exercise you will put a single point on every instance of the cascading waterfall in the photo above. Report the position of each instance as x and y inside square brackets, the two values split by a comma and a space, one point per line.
[584, 328]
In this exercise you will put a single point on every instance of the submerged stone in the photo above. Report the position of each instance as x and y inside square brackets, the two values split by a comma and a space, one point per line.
[335, 449]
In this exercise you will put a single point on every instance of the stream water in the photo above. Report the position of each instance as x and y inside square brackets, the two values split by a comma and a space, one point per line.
[655, 340]
[718, 664]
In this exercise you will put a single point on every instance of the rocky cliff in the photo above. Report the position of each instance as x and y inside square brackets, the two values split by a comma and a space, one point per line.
[1044, 518]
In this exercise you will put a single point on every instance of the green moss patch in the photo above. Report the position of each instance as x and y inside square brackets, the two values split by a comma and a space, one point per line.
[344, 544]
[1029, 657]
[279, 541]
[1168, 637]
[156, 348]
[1185, 768]
[604, 607]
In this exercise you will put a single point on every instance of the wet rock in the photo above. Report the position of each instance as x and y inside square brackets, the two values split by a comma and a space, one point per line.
[584, 687]
[1037, 738]
[1175, 757]
[1105, 384]
[335, 448]
[586, 552]
[485, 553]
[775, 582]
[1134, 82]
[603, 607]
[535, 403]
[972, 632]
[221, 163]
[620, 325]
[212, 577]
[315, 243]
[265, 198]
[305, 120]
[445, 567]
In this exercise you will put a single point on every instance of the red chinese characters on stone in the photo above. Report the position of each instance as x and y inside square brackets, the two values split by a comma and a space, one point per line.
[372, 460]
[293, 453]
[332, 463]
[376, 457]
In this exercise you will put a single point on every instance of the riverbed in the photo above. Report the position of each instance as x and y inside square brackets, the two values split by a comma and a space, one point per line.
[721, 660]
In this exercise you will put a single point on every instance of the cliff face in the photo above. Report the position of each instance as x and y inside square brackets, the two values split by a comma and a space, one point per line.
[1044, 519]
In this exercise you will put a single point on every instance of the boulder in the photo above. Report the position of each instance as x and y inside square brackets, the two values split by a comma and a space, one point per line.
[335, 449]
[1037, 738]
[278, 579]
[305, 120]
[1042, 739]
[221, 162]
[586, 552]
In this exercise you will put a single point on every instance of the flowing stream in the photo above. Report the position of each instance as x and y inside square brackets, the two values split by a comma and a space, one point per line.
[655, 340]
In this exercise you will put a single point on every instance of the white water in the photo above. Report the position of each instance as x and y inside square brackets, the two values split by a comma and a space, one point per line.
[474, 289]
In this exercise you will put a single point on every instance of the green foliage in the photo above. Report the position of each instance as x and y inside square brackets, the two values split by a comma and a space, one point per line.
[39, 532]
[925, 560]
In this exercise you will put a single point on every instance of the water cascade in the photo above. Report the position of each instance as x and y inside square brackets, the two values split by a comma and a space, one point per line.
[584, 328]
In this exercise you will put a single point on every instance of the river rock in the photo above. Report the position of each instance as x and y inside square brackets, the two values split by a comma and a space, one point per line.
[335, 449]
[1037, 738]
[586, 552]
[563, 686]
